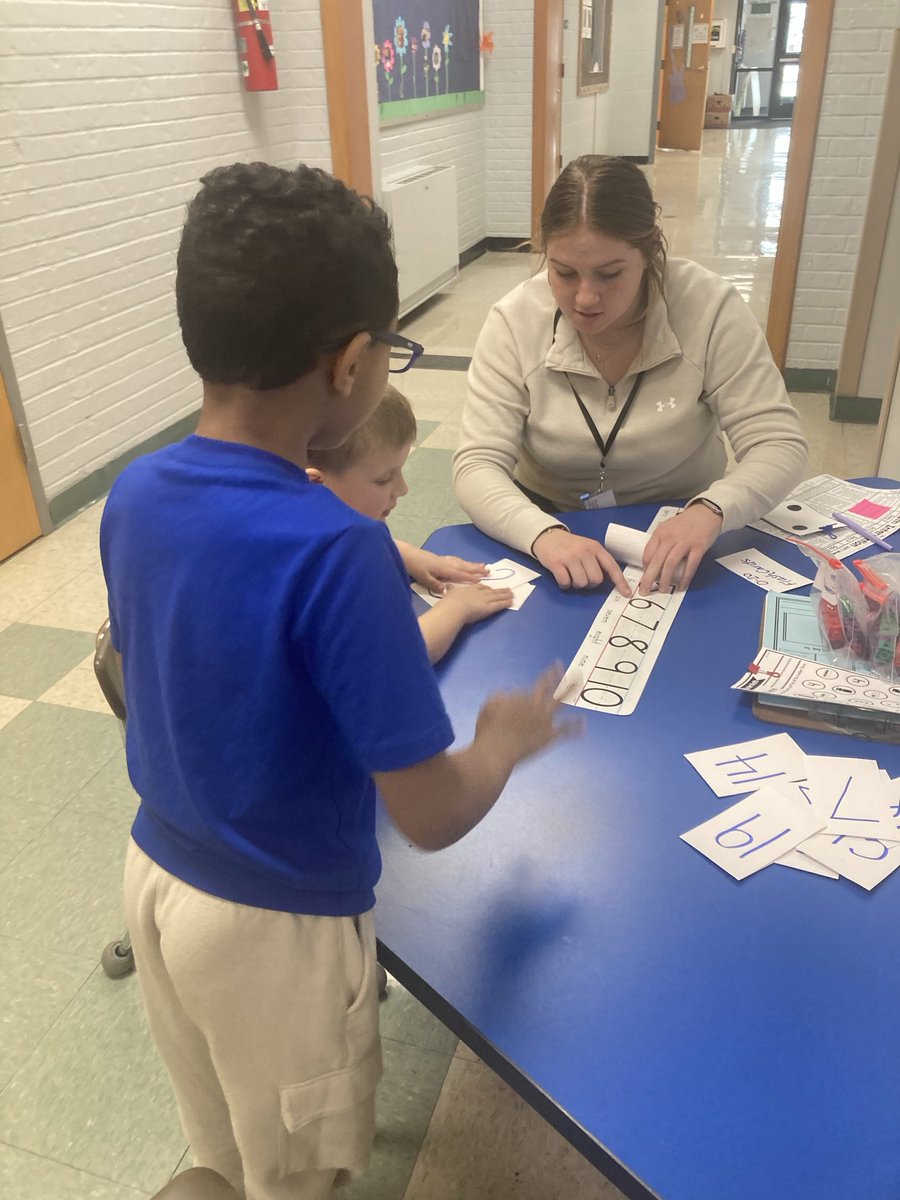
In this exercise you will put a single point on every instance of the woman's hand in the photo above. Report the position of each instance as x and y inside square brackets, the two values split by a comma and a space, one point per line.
[679, 542]
[577, 562]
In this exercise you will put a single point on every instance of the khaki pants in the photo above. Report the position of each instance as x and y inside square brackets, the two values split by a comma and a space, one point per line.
[268, 1025]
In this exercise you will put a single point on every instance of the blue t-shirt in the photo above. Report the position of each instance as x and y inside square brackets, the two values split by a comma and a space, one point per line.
[272, 662]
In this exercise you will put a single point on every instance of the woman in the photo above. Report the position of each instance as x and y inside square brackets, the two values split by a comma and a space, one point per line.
[610, 378]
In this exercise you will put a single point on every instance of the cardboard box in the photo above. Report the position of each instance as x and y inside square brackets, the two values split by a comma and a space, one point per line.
[717, 120]
[718, 102]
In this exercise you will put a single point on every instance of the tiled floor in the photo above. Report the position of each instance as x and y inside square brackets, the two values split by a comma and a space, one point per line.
[85, 1111]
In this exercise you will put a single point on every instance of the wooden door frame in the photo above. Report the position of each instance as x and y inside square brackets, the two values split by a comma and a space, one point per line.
[546, 82]
[347, 57]
[804, 127]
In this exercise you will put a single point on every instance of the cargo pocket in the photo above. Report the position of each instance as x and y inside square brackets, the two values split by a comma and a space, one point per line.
[328, 1123]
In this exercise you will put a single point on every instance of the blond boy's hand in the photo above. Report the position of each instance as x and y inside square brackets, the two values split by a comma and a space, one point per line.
[433, 571]
[475, 602]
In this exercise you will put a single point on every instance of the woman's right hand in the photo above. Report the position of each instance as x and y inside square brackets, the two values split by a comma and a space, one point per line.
[577, 562]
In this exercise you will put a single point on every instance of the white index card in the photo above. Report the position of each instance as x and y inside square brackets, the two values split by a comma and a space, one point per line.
[520, 593]
[504, 573]
[864, 861]
[802, 862]
[745, 766]
[754, 832]
[851, 797]
[765, 572]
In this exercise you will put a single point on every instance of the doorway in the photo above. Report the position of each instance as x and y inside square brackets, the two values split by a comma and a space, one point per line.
[19, 520]
[766, 68]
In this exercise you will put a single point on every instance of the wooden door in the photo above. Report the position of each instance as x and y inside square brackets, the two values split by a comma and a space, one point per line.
[682, 102]
[19, 521]
[546, 125]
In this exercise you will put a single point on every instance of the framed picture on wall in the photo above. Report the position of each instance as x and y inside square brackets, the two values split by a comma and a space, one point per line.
[427, 57]
[593, 46]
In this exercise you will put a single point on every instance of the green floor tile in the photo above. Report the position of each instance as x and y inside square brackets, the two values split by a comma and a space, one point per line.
[109, 794]
[48, 752]
[34, 657]
[20, 823]
[412, 1082]
[95, 1096]
[36, 984]
[423, 429]
[25, 1176]
[404, 1019]
[65, 888]
[428, 477]
[409, 527]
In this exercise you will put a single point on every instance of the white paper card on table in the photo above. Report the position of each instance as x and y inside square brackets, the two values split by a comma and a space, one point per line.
[754, 832]
[747, 766]
[850, 796]
[802, 862]
[797, 519]
[864, 861]
[765, 572]
[520, 593]
[504, 573]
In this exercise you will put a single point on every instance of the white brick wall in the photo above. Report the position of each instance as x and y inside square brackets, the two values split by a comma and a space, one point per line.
[508, 81]
[456, 140]
[617, 121]
[852, 104]
[113, 114]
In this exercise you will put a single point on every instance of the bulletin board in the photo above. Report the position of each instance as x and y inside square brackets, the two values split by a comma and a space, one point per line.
[595, 24]
[427, 57]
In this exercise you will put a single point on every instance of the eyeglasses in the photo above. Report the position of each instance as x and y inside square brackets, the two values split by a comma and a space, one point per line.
[404, 351]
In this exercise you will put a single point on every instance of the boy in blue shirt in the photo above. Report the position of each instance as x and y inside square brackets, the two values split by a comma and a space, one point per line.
[273, 669]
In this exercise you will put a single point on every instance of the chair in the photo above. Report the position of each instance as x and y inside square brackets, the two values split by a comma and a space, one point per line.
[197, 1183]
[117, 958]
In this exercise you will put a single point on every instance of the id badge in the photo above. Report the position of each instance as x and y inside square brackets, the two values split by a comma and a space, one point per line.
[599, 499]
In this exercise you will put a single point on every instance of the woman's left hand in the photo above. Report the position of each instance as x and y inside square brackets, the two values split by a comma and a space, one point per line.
[679, 542]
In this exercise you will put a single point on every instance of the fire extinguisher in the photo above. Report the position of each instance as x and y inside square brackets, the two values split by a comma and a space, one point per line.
[255, 49]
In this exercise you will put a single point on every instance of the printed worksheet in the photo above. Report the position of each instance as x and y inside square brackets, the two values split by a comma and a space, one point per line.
[877, 509]
[780, 674]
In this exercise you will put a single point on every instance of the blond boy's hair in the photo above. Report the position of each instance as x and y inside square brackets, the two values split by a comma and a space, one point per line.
[391, 427]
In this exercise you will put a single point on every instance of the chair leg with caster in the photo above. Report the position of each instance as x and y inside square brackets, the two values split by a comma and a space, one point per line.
[382, 980]
[117, 958]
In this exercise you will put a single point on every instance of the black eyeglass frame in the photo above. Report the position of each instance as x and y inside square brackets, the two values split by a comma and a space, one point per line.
[399, 342]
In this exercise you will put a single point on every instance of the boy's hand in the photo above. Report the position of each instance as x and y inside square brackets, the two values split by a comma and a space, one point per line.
[526, 722]
[475, 602]
[433, 571]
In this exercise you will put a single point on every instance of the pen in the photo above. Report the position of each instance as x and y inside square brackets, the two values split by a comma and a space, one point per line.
[854, 528]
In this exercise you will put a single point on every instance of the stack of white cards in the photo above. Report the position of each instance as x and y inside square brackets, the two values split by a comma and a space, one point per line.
[828, 816]
[504, 573]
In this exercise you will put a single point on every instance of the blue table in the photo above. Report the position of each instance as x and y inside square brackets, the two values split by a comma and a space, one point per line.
[694, 1037]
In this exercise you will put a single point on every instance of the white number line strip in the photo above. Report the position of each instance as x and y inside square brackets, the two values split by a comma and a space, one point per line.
[607, 624]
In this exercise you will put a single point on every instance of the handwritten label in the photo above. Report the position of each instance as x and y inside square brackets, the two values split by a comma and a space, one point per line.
[765, 572]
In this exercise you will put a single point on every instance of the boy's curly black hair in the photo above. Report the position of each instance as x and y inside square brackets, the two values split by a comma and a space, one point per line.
[274, 266]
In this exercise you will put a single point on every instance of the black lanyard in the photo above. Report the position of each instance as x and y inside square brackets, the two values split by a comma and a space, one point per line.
[603, 447]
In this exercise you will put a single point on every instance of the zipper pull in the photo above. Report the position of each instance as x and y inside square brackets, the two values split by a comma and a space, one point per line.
[611, 400]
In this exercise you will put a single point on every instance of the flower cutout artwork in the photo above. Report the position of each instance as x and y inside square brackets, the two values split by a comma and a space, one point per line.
[426, 46]
[447, 39]
[387, 62]
[401, 42]
[414, 50]
[377, 50]
[436, 59]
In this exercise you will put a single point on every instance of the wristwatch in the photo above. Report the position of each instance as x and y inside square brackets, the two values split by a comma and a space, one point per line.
[710, 504]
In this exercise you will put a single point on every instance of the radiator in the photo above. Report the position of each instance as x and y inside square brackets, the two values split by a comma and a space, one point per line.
[422, 208]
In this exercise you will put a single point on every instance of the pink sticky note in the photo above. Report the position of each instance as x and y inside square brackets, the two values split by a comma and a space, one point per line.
[867, 508]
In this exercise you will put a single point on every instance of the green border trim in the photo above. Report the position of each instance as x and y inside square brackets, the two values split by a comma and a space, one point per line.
[855, 410]
[98, 483]
[809, 379]
[425, 106]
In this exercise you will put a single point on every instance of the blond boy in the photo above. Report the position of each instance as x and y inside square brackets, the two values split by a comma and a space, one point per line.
[366, 472]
